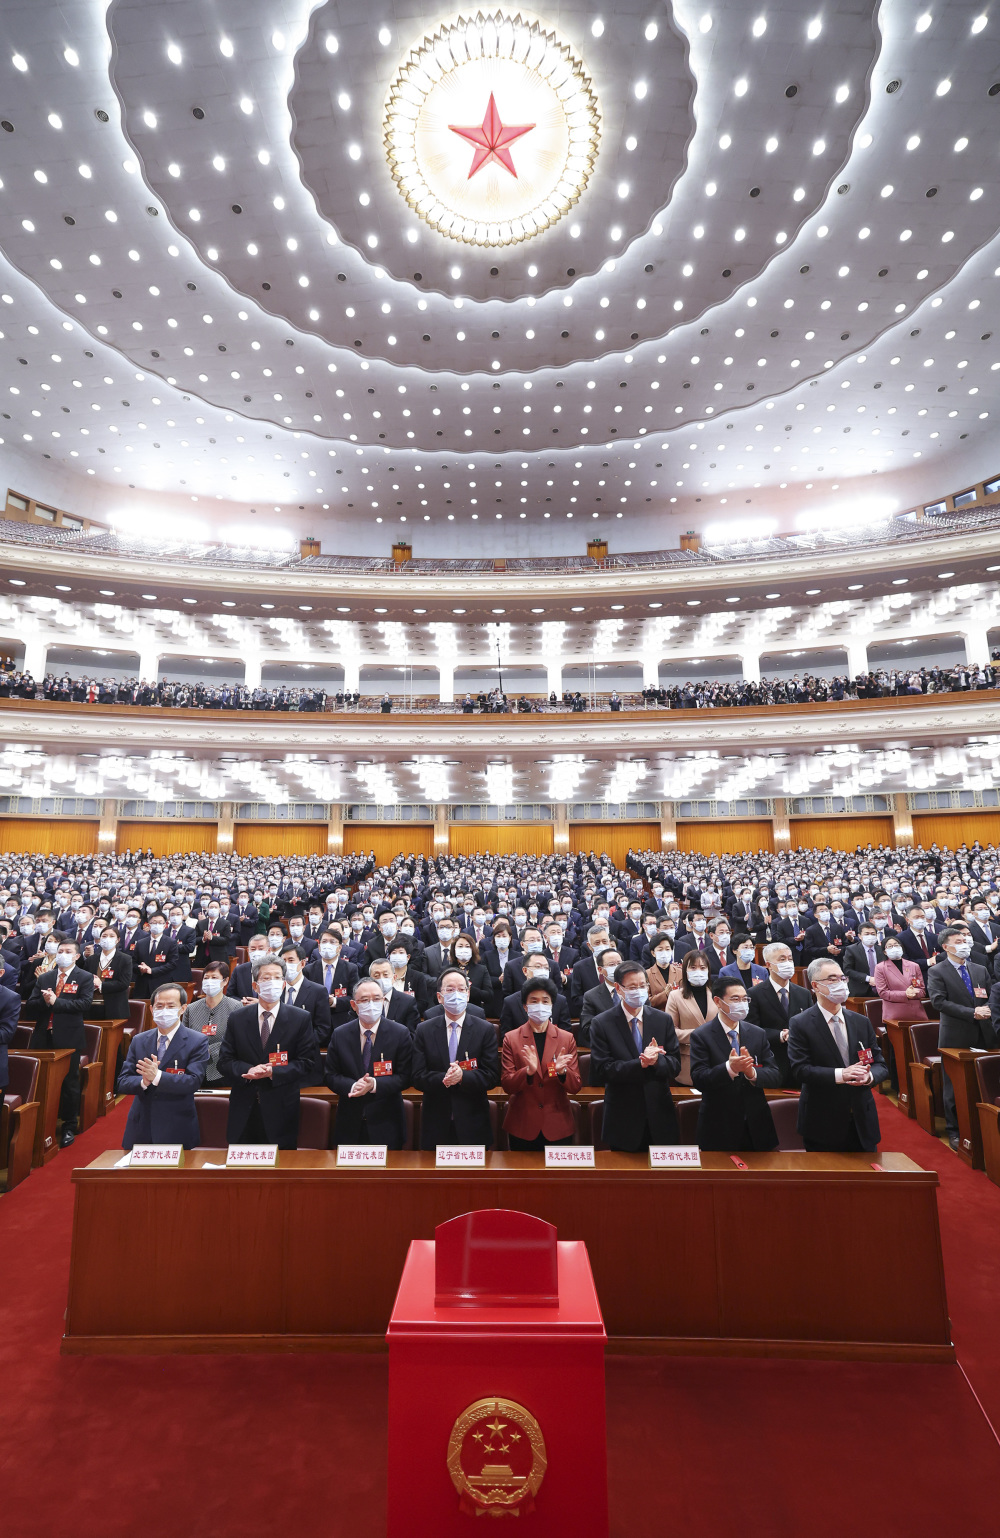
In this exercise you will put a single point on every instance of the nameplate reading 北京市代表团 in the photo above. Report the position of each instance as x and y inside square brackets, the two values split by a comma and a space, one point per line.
[154, 1156]
[570, 1158]
[468, 1156]
[251, 1156]
[362, 1155]
[675, 1156]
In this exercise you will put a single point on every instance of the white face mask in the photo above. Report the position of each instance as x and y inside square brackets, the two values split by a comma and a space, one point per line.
[370, 1012]
[385, 983]
[699, 926]
[837, 991]
[51, 946]
[745, 956]
[292, 970]
[275, 942]
[156, 930]
[108, 944]
[463, 953]
[722, 938]
[212, 986]
[635, 998]
[961, 948]
[894, 952]
[296, 931]
[663, 958]
[502, 942]
[697, 978]
[540, 1012]
[270, 990]
[738, 1009]
[166, 1018]
[329, 950]
[65, 960]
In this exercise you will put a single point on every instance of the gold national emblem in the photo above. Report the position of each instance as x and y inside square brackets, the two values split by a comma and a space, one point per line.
[496, 1458]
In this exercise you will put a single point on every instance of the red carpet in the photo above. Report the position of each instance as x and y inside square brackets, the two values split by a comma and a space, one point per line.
[208, 1447]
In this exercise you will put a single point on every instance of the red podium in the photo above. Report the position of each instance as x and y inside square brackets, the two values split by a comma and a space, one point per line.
[496, 1383]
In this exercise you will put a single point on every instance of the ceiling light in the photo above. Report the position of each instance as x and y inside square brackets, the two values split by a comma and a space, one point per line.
[226, 47]
[814, 29]
[639, 90]
[913, 141]
[55, 121]
[943, 87]
[72, 57]
[740, 88]
[979, 24]
[924, 21]
[651, 31]
[19, 62]
[759, 27]
[174, 54]
[597, 27]
[246, 105]
[705, 24]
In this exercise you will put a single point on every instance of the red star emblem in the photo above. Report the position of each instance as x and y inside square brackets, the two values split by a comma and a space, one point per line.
[491, 138]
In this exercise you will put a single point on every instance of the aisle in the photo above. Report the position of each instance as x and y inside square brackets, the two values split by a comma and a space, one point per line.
[230, 1446]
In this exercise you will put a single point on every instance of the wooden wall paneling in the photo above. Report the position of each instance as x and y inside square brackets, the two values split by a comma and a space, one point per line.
[501, 838]
[271, 839]
[725, 836]
[167, 837]
[387, 840]
[956, 828]
[48, 835]
[841, 832]
[614, 839]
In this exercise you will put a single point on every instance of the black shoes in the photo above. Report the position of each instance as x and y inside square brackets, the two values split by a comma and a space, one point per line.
[68, 1137]
[953, 1141]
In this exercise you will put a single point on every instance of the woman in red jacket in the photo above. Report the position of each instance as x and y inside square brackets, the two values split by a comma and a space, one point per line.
[539, 1072]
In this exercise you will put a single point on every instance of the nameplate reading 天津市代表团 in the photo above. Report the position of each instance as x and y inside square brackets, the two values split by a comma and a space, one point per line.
[251, 1156]
[362, 1155]
[154, 1156]
[675, 1156]
[460, 1156]
[570, 1158]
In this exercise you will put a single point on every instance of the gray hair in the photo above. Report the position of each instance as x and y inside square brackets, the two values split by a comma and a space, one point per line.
[596, 929]
[768, 952]
[812, 970]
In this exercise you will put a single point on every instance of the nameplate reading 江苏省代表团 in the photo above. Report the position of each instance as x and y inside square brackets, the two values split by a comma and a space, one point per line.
[362, 1155]
[469, 1156]
[675, 1156]
[251, 1156]
[570, 1158]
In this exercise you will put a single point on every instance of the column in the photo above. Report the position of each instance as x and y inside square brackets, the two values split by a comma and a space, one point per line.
[226, 829]
[668, 826]
[902, 822]
[751, 667]
[352, 675]
[149, 661]
[553, 683]
[650, 672]
[253, 664]
[35, 649]
[335, 829]
[441, 828]
[107, 832]
[446, 681]
[780, 826]
[857, 655]
[977, 645]
[560, 836]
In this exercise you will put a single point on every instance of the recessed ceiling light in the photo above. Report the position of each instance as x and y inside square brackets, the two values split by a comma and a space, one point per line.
[16, 581]
[62, 588]
[148, 595]
[855, 587]
[772, 595]
[577, 608]
[812, 591]
[946, 573]
[109, 592]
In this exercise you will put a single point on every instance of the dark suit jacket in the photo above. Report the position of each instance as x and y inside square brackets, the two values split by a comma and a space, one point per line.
[731, 1106]
[160, 971]
[344, 979]
[165, 1112]
[513, 1014]
[186, 940]
[313, 998]
[826, 1108]
[112, 1001]
[913, 951]
[766, 1011]
[378, 1117]
[637, 1104]
[815, 942]
[463, 1104]
[291, 1032]
[855, 966]
[585, 977]
[594, 1002]
[218, 945]
[959, 1026]
[240, 985]
[10, 1009]
[66, 1016]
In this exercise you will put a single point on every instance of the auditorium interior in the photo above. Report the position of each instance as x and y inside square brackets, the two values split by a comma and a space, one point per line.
[592, 942]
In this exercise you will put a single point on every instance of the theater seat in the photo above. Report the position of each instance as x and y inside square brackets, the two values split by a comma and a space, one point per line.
[213, 1114]
[499, 1136]
[597, 1123]
[137, 1014]
[873, 1009]
[91, 1076]
[687, 1118]
[926, 1085]
[785, 1114]
[583, 1058]
[18, 1117]
[314, 1122]
[410, 1115]
[988, 1110]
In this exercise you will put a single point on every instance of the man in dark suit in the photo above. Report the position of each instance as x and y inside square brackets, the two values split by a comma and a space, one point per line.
[154, 957]
[336, 975]
[824, 938]
[368, 1065]
[111, 970]
[215, 936]
[163, 1069]
[834, 1055]
[60, 1002]
[185, 937]
[398, 1005]
[302, 994]
[635, 1055]
[985, 933]
[513, 1013]
[243, 975]
[861, 959]
[243, 919]
[774, 1002]
[601, 997]
[455, 1064]
[585, 971]
[732, 1064]
[919, 940]
[268, 1052]
[10, 1009]
[693, 937]
[959, 990]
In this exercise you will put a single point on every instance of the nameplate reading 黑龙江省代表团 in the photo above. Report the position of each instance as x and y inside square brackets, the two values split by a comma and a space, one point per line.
[570, 1157]
[466, 1156]
[675, 1156]
[150, 1156]
[251, 1156]
[362, 1155]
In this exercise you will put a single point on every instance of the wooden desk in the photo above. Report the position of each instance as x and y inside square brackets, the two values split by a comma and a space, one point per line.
[800, 1255]
[959, 1063]
[53, 1066]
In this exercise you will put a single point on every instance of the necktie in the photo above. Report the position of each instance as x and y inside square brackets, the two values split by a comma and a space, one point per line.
[162, 1042]
[701, 945]
[963, 972]
[734, 1037]
[637, 1035]
[783, 996]
[840, 1036]
[366, 1055]
[265, 1029]
[328, 978]
[871, 961]
[923, 946]
[452, 1043]
[61, 983]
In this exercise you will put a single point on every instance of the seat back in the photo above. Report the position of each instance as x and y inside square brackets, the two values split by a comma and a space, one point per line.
[987, 1073]
[92, 1034]
[409, 1116]
[23, 1072]
[314, 1122]
[873, 1009]
[22, 1037]
[687, 1118]
[137, 1013]
[213, 1115]
[597, 1123]
[496, 1124]
[583, 1059]
[924, 1039]
[785, 1114]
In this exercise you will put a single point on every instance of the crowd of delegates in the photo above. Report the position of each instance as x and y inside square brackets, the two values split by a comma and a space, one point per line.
[812, 689]
[377, 979]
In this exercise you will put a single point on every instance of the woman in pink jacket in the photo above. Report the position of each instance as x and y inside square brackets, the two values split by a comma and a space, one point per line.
[900, 985]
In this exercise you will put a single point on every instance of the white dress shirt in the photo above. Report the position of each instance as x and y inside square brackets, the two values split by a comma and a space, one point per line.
[835, 1014]
[158, 1075]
